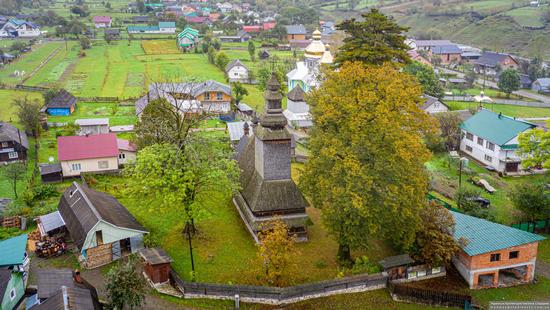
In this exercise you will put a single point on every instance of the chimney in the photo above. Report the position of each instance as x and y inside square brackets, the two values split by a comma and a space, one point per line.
[76, 276]
[87, 134]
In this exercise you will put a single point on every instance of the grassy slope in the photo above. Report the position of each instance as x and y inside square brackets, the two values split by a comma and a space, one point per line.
[527, 16]
[28, 62]
[486, 33]
[510, 110]
[52, 72]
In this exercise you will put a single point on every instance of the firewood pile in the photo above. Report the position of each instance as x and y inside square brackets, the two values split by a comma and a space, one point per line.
[50, 247]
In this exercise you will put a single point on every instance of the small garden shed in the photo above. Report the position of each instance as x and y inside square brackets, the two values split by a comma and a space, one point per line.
[157, 264]
[63, 103]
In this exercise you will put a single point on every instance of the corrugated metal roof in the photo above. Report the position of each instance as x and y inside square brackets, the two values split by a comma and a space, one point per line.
[13, 250]
[51, 221]
[484, 236]
[496, 128]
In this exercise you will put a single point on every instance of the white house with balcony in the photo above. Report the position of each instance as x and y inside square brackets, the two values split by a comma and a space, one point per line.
[492, 139]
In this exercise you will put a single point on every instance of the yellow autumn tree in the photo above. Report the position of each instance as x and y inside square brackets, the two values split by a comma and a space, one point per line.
[366, 165]
[277, 253]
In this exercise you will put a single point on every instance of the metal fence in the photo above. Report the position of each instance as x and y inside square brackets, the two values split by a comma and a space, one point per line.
[428, 296]
[533, 226]
[277, 295]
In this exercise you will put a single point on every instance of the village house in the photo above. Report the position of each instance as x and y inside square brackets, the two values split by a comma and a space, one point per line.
[63, 289]
[205, 97]
[494, 255]
[161, 28]
[447, 54]
[101, 227]
[188, 38]
[90, 153]
[297, 110]
[62, 104]
[416, 56]
[434, 105]
[541, 85]
[112, 33]
[492, 139]
[126, 151]
[14, 268]
[13, 143]
[92, 126]
[51, 172]
[237, 72]
[427, 45]
[252, 29]
[144, 19]
[17, 28]
[490, 63]
[241, 36]
[268, 190]
[295, 32]
[102, 21]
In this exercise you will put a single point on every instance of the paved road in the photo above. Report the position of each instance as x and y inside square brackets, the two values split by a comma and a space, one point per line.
[492, 84]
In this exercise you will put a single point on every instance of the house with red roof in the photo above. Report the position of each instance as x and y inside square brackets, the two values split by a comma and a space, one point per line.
[269, 25]
[126, 151]
[90, 153]
[249, 29]
[102, 21]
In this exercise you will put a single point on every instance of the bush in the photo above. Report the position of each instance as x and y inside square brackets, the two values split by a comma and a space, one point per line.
[363, 265]
[42, 192]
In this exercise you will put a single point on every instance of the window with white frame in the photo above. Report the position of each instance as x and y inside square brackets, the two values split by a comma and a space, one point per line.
[468, 148]
[103, 164]
[121, 156]
[76, 167]
[480, 141]
[469, 136]
[12, 294]
[488, 158]
[219, 96]
[490, 146]
[4, 144]
[13, 155]
[206, 96]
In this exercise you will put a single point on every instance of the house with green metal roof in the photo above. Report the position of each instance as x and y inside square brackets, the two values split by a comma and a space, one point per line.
[493, 255]
[188, 38]
[492, 139]
[14, 268]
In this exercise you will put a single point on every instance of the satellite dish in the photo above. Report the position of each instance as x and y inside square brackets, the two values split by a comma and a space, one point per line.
[50, 159]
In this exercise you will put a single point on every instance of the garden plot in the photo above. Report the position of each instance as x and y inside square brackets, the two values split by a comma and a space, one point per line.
[158, 47]
[52, 73]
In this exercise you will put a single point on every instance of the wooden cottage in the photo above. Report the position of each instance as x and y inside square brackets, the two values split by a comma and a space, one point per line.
[396, 266]
[13, 143]
[157, 265]
[100, 226]
[63, 103]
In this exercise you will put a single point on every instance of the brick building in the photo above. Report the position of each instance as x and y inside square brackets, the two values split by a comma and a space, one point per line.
[494, 255]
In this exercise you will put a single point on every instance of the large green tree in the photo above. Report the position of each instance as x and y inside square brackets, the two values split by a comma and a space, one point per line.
[426, 77]
[533, 199]
[509, 81]
[28, 112]
[374, 40]
[368, 127]
[534, 147]
[125, 286]
[434, 242]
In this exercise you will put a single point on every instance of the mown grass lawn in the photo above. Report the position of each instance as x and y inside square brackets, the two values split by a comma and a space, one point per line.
[52, 74]
[490, 92]
[531, 292]
[502, 207]
[117, 114]
[527, 16]
[506, 109]
[224, 251]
